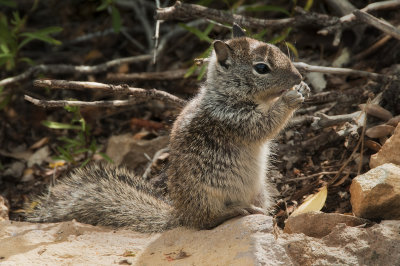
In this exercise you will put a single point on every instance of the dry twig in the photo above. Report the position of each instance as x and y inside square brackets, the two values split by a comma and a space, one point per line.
[189, 11]
[382, 25]
[70, 69]
[165, 75]
[340, 71]
[139, 94]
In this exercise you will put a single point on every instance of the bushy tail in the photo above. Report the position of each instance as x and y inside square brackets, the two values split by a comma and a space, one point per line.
[105, 195]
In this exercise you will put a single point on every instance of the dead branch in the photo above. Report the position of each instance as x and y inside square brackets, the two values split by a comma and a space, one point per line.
[372, 7]
[382, 25]
[70, 69]
[62, 103]
[323, 120]
[137, 94]
[184, 11]
[373, 47]
[340, 71]
[348, 20]
[165, 75]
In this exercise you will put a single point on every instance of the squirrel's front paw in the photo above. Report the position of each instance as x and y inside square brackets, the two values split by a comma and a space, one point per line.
[303, 89]
[293, 98]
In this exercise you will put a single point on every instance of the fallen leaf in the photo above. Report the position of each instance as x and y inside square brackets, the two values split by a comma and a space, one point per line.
[313, 203]
[394, 121]
[379, 131]
[57, 164]
[377, 111]
[373, 145]
[39, 143]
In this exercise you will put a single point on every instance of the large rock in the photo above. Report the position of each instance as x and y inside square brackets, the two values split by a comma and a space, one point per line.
[376, 194]
[390, 151]
[249, 240]
[319, 224]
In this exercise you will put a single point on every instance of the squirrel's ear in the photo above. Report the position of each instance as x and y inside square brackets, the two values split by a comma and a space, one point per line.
[222, 51]
[237, 31]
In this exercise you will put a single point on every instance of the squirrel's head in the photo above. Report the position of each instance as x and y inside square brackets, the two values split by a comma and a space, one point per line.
[250, 67]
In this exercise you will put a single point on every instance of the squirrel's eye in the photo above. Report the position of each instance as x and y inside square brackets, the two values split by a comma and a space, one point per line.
[261, 68]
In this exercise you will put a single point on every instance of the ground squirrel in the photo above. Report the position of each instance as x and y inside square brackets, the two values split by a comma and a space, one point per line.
[219, 150]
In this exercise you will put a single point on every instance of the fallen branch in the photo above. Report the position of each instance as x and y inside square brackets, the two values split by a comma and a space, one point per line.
[340, 71]
[184, 11]
[348, 20]
[70, 69]
[372, 7]
[165, 75]
[139, 94]
[382, 25]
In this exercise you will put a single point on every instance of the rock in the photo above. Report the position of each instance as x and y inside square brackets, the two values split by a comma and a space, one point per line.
[376, 194]
[247, 240]
[317, 80]
[129, 151]
[41, 155]
[15, 169]
[319, 224]
[4, 209]
[390, 152]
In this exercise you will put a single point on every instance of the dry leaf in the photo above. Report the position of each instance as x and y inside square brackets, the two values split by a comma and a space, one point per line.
[313, 203]
[379, 131]
[394, 121]
[39, 143]
[377, 111]
[57, 164]
[373, 145]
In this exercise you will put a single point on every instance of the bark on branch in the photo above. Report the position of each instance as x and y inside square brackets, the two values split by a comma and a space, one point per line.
[184, 11]
[136, 94]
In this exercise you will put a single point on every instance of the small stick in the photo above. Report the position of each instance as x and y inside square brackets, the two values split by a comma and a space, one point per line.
[372, 7]
[165, 75]
[139, 94]
[183, 11]
[373, 47]
[380, 24]
[70, 69]
[337, 70]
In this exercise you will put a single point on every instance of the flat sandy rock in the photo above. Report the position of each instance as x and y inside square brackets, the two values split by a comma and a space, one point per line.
[249, 240]
[390, 151]
[376, 194]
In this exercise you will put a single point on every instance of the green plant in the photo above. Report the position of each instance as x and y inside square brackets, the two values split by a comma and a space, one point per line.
[13, 37]
[115, 15]
[82, 144]
[203, 36]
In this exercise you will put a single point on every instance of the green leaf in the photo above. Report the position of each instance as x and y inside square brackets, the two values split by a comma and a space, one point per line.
[42, 35]
[65, 154]
[85, 162]
[9, 3]
[308, 5]
[259, 36]
[106, 157]
[70, 141]
[203, 70]
[103, 5]
[281, 37]
[201, 35]
[4, 102]
[116, 19]
[27, 60]
[267, 8]
[293, 49]
[56, 125]
[190, 71]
